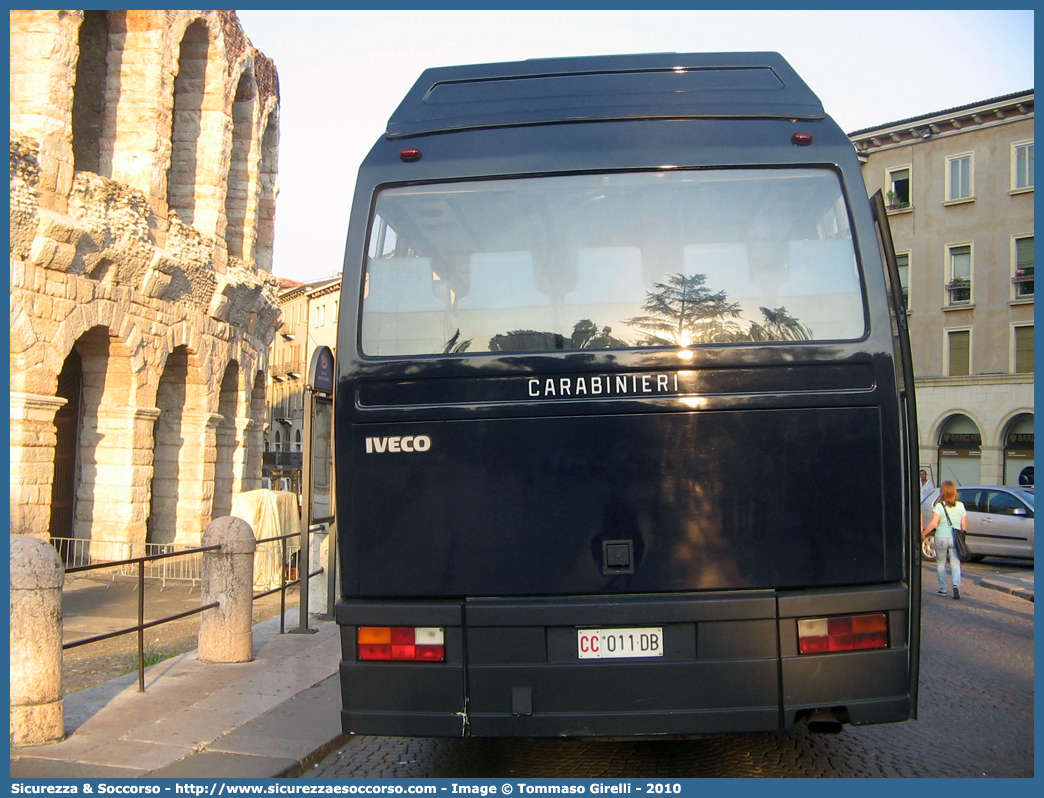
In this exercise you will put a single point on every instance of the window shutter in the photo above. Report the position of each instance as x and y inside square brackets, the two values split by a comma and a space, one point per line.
[960, 353]
[1024, 350]
[1024, 253]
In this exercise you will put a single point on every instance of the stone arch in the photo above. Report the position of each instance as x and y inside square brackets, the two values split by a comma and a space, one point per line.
[23, 334]
[101, 313]
[199, 124]
[254, 446]
[180, 494]
[1016, 440]
[267, 189]
[89, 107]
[68, 421]
[959, 449]
[108, 498]
[227, 442]
[190, 90]
[241, 197]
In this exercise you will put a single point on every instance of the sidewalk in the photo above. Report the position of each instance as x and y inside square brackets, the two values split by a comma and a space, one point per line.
[1020, 586]
[271, 717]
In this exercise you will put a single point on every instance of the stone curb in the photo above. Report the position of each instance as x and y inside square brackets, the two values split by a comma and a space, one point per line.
[1019, 591]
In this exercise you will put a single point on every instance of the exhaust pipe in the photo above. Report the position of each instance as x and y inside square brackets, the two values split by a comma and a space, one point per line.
[825, 721]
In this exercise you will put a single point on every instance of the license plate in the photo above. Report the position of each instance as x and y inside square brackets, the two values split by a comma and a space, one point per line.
[620, 643]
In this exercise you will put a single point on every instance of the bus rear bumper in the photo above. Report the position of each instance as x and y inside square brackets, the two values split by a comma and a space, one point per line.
[730, 664]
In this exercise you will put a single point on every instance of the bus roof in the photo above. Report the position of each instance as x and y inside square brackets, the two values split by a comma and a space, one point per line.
[599, 88]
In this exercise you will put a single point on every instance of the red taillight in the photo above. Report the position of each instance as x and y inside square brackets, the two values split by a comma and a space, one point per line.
[401, 643]
[843, 633]
[410, 155]
[801, 139]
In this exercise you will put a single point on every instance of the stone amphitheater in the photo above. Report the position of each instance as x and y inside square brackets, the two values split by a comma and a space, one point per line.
[143, 188]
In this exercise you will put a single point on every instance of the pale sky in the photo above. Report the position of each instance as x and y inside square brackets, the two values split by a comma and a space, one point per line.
[342, 74]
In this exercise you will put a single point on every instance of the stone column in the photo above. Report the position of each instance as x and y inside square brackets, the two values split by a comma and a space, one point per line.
[254, 454]
[991, 466]
[245, 472]
[37, 709]
[141, 129]
[225, 633]
[43, 67]
[196, 471]
[113, 499]
[33, 439]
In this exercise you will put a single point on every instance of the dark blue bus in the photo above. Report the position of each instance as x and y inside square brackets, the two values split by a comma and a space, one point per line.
[624, 416]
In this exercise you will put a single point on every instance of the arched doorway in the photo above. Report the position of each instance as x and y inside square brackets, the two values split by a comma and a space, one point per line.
[960, 451]
[187, 121]
[1018, 451]
[106, 505]
[224, 466]
[67, 422]
[240, 199]
[176, 513]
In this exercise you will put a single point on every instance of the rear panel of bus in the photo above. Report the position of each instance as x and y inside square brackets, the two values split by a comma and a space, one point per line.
[619, 442]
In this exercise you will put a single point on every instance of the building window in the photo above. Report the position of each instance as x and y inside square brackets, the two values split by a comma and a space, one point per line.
[902, 261]
[1023, 277]
[898, 183]
[1022, 165]
[959, 183]
[320, 316]
[958, 353]
[1024, 349]
[959, 266]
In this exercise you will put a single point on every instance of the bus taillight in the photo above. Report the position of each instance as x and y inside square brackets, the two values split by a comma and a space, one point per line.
[843, 633]
[401, 643]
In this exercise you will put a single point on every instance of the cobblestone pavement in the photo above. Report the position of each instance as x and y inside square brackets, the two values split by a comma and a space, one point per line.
[976, 719]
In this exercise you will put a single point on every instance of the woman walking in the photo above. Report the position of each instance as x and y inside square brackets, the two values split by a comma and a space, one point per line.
[947, 514]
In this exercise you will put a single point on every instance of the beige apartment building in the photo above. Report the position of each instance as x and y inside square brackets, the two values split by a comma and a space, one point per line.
[309, 321]
[143, 185]
[958, 185]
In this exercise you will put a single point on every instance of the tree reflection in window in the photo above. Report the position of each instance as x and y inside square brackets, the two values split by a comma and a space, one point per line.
[681, 312]
[684, 311]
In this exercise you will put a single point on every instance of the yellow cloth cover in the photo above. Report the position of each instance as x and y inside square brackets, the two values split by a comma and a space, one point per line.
[270, 513]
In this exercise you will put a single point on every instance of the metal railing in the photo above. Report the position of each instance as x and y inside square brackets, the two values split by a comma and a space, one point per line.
[171, 562]
[289, 574]
[141, 626]
[108, 556]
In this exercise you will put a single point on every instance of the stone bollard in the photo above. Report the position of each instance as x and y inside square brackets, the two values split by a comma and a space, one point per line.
[225, 633]
[37, 709]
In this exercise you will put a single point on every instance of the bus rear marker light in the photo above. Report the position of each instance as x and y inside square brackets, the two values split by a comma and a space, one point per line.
[401, 643]
[843, 633]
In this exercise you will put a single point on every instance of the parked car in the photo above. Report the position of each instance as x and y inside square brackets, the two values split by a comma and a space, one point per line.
[1000, 520]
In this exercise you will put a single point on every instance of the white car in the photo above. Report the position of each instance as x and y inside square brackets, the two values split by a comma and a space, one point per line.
[1000, 521]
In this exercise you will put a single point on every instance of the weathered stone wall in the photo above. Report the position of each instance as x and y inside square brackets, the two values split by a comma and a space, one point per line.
[124, 268]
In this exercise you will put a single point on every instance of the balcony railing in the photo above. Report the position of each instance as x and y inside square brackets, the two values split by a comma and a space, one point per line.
[282, 459]
[1023, 281]
[960, 292]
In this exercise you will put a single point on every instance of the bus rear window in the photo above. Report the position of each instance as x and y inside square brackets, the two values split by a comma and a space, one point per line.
[611, 261]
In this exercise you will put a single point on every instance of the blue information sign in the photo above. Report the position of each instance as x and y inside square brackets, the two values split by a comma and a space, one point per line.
[321, 373]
